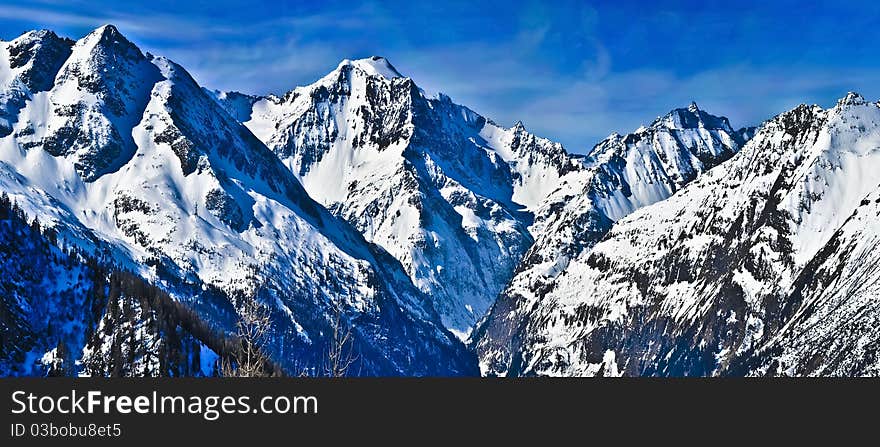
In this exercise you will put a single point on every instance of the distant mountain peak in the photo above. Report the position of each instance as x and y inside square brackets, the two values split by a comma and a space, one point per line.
[105, 33]
[691, 117]
[39, 54]
[106, 43]
[373, 66]
[852, 99]
[36, 35]
[107, 29]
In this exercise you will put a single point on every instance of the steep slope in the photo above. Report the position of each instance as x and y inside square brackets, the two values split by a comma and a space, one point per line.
[764, 265]
[832, 329]
[442, 189]
[48, 296]
[624, 173]
[64, 312]
[129, 147]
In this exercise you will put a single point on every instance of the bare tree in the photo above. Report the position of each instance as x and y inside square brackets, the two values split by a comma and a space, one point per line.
[253, 325]
[340, 354]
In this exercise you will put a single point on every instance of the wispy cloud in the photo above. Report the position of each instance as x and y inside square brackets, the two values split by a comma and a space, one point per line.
[48, 16]
[164, 26]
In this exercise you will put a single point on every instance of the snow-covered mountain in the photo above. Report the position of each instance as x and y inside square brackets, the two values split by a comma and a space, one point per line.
[764, 265]
[361, 203]
[623, 174]
[444, 190]
[125, 155]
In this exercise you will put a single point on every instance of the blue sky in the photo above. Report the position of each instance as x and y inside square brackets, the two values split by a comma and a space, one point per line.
[571, 71]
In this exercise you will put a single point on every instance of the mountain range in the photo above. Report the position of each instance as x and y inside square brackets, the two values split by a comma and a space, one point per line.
[144, 214]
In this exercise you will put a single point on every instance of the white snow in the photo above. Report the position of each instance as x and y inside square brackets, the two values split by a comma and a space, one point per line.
[374, 66]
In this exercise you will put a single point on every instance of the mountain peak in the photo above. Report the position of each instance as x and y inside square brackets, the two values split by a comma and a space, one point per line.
[851, 99]
[681, 118]
[108, 38]
[691, 117]
[36, 35]
[39, 55]
[106, 32]
[374, 66]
